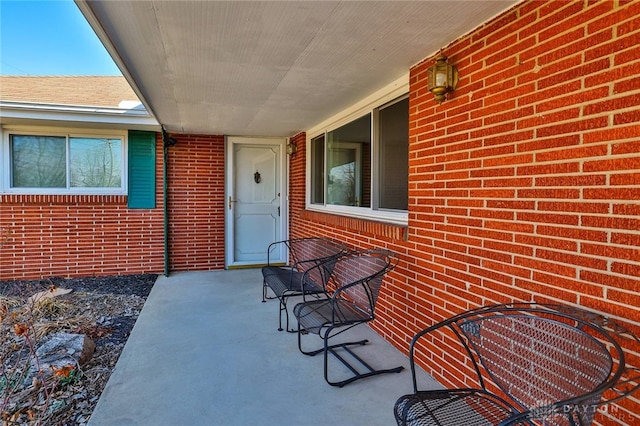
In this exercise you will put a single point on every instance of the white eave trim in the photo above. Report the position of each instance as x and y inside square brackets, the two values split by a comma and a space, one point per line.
[96, 25]
[26, 111]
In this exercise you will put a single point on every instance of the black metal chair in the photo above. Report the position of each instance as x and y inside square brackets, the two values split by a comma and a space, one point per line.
[354, 284]
[535, 365]
[288, 281]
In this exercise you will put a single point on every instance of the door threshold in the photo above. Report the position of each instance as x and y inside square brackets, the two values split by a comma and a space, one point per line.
[254, 265]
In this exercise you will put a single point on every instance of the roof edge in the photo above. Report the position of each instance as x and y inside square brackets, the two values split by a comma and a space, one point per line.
[87, 11]
[65, 108]
[34, 113]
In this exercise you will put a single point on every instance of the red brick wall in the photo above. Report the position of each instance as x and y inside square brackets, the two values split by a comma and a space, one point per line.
[45, 236]
[525, 185]
[196, 203]
[79, 235]
[297, 189]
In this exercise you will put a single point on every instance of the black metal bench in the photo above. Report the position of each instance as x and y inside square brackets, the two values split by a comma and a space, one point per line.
[535, 365]
[354, 284]
[292, 280]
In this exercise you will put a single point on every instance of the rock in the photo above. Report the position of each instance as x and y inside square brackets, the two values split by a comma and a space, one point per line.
[62, 350]
[47, 294]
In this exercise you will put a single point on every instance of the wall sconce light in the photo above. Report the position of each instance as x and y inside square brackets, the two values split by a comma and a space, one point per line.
[442, 78]
[292, 148]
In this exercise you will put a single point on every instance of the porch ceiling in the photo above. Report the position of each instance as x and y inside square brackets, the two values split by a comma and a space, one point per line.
[263, 68]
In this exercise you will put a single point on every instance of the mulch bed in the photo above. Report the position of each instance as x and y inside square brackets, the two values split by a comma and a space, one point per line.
[103, 308]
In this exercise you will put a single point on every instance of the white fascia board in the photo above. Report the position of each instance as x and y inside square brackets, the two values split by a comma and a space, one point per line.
[34, 112]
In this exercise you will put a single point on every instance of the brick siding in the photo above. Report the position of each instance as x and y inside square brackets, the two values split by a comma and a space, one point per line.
[525, 185]
[77, 235]
[196, 203]
[45, 236]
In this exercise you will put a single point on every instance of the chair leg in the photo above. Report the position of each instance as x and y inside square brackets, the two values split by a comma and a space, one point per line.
[357, 375]
[265, 292]
[332, 349]
[302, 331]
[325, 340]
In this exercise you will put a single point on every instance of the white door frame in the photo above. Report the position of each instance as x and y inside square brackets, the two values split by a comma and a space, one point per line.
[230, 143]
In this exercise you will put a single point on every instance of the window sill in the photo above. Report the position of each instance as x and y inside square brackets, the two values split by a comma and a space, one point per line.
[361, 224]
[391, 217]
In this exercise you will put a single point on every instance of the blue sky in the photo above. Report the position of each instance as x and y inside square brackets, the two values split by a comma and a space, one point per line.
[49, 38]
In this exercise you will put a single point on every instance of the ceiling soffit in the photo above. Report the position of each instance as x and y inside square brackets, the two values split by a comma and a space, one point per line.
[271, 68]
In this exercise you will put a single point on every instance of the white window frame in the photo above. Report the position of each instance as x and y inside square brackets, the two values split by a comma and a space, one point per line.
[369, 105]
[5, 159]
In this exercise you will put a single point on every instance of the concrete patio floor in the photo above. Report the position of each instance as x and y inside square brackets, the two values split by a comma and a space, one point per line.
[206, 351]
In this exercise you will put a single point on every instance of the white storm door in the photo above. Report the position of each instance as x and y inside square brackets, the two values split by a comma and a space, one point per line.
[255, 209]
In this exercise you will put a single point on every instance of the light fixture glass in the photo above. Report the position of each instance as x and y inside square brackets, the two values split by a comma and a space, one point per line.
[442, 78]
[292, 148]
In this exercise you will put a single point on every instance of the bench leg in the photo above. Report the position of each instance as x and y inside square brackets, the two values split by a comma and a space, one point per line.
[283, 307]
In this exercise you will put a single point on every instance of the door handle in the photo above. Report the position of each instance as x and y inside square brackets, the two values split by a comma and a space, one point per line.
[231, 201]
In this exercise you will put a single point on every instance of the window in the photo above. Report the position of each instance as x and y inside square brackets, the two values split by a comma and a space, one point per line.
[362, 166]
[50, 163]
[393, 176]
[38, 162]
[348, 148]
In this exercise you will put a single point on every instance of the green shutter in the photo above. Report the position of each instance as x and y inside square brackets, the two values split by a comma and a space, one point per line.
[142, 170]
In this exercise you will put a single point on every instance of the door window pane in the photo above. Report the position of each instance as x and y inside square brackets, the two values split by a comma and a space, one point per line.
[38, 161]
